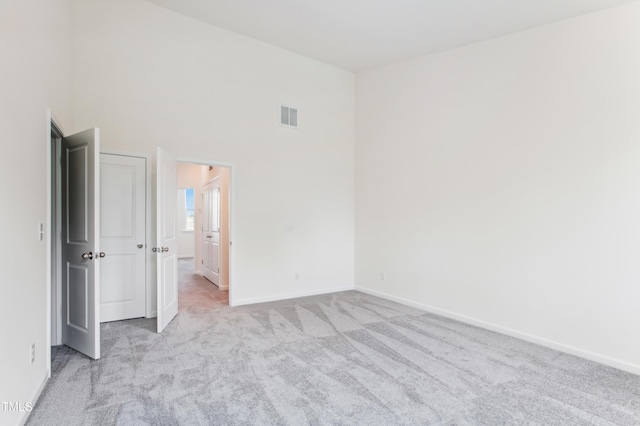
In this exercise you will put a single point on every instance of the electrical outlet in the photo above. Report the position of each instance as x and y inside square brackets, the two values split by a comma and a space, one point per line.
[33, 353]
[383, 276]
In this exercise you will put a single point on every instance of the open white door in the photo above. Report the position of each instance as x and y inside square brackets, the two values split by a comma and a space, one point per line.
[211, 231]
[80, 242]
[166, 247]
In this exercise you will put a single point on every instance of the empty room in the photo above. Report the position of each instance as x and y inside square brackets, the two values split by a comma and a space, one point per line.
[413, 212]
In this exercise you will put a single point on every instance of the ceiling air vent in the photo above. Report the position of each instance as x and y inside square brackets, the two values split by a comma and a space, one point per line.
[288, 116]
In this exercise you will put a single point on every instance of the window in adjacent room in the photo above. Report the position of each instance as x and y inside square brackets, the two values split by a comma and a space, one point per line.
[186, 208]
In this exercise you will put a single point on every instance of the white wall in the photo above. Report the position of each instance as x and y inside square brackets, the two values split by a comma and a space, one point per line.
[35, 73]
[149, 77]
[499, 182]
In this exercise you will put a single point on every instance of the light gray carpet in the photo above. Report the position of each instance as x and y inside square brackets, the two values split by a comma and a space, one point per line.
[345, 358]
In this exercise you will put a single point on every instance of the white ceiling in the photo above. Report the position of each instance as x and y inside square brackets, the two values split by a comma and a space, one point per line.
[361, 34]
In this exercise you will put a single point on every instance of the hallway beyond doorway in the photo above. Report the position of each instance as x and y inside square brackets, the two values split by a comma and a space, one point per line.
[196, 292]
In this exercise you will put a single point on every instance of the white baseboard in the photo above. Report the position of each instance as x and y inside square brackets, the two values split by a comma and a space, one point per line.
[287, 296]
[592, 356]
[35, 398]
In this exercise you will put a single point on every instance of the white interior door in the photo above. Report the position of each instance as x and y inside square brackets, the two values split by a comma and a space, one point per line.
[80, 173]
[211, 231]
[122, 236]
[166, 247]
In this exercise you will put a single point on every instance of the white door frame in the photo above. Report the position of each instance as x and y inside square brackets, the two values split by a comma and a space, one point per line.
[150, 305]
[50, 149]
[232, 218]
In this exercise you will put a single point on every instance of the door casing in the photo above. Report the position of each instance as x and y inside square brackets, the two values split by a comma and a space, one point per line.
[232, 219]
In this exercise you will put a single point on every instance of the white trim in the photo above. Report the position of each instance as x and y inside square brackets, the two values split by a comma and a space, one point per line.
[50, 151]
[35, 398]
[592, 356]
[151, 310]
[213, 179]
[51, 116]
[288, 296]
[202, 162]
[125, 153]
[224, 288]
[47, 241]
[232, 218]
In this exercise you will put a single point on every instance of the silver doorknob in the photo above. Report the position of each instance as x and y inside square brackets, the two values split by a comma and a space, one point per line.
[102, 254]
[165, 249]
[155, 249]
[140, 245]
[87, 255]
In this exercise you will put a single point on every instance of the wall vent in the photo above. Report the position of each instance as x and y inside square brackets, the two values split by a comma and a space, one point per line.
[288, 116]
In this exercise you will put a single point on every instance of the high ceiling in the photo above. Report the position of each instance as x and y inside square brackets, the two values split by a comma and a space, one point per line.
[361, 34]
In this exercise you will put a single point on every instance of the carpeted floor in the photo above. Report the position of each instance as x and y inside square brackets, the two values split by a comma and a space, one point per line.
[339, 359]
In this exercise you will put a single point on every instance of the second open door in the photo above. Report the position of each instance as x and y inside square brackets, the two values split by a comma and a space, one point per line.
[166, 247]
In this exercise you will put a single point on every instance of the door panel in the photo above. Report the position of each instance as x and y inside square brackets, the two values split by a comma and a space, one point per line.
[118, 191]
[166, 247]
[123, 235]
[81, 242]
[211, 231]
[169, 270]
[120, 272]
[78, 292]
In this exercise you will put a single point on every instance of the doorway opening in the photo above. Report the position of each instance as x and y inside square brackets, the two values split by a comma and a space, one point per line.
[72, 241]
[203, 220]
[55, 239]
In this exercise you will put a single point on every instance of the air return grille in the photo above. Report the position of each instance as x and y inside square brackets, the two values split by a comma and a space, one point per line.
[288, 116]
